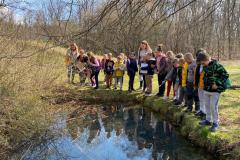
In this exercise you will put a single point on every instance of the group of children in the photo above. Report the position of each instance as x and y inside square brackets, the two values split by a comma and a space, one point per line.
[195, 81]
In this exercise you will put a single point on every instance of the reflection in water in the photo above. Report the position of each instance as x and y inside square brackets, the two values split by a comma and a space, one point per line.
[118, 133]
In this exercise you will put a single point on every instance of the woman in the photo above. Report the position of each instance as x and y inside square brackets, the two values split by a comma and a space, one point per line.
[142, 52]
[95, 67]
[71, 60]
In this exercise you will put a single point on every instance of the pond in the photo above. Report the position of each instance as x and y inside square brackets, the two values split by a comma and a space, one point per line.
[115, 132]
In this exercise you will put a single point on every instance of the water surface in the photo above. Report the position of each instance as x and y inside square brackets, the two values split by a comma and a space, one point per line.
[116, 133]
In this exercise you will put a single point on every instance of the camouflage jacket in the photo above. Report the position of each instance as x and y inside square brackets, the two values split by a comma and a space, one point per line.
[215, 73]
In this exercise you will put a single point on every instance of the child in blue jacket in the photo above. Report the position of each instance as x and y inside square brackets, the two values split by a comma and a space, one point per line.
[132, 68]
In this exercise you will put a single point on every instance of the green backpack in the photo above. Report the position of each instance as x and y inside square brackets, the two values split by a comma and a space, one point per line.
[228, 83]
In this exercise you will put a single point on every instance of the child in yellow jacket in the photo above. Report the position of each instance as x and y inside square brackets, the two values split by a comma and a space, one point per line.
[183, 85]
[199, 84]
[119, 68]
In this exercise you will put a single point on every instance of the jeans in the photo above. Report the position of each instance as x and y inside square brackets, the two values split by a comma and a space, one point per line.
[109, 79]
[131, 81]
[211, 104]
[192, 95]
[71, 72]
[82, 76]
[118, 80]
[201, 100]
[161, 78]
[95, 75]
[148, 79]
[142, 81]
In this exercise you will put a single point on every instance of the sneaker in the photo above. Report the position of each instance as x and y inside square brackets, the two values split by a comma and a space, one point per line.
[198, 113]
[205, 123]
[148, 94]
[188, 110]
[177, 103]
[214, 127]
[203, 116]
[165, 98]
[159, 95]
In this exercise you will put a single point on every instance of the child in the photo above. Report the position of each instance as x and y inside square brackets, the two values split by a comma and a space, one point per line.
[177, 77]
[191, 96]
[143, 71]
[182, 88]
[95, 68]
[124, 59]
[118, 72]
[215, 80]
[132, 68]
[170, 57]
[161, 66]
[70, 60]
[103, 64]
[108, 70]
[151, 63]
[82, 59]
[199, 84]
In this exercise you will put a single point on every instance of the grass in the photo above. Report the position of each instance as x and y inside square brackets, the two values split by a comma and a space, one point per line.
[224, 142]
[32, 83]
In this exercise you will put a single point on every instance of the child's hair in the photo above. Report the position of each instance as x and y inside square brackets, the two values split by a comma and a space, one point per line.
[181, 61]
[122, 55]
[81, 51]
[199, 53]
[90, 54]
[119, 57]
[203, 57]
[170, 54]
[132, 54]
[179, 55]
[175, 61]
[109, 54]
[160, 48]
[188, 56]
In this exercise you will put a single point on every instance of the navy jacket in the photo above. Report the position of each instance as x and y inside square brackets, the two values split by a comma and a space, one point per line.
[132, 67]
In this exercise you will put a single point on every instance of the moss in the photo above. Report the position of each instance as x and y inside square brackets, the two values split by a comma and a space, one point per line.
[216, 143]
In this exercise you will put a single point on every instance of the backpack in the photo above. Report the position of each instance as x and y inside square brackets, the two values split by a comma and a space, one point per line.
[227, 84]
